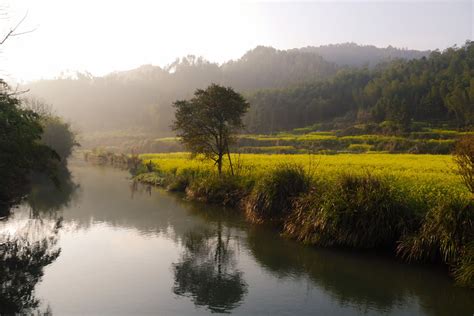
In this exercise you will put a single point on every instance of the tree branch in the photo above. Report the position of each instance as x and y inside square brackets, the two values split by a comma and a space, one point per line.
[12, 31]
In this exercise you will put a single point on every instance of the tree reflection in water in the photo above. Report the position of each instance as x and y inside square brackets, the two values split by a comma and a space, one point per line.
[207, 271]
[48, 197]
[24, 254]
[22, 259]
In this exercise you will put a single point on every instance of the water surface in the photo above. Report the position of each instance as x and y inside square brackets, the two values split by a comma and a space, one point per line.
[128, 249]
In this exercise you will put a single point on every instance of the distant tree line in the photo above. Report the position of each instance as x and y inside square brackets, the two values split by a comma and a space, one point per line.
[437, 88]
[143, 97]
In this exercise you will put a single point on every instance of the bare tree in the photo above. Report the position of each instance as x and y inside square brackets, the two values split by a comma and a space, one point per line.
[14, 31]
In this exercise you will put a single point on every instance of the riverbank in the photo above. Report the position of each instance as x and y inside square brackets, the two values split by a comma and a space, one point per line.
[413, 205]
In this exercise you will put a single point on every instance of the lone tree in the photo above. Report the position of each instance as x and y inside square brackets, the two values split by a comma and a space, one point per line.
[207, 123]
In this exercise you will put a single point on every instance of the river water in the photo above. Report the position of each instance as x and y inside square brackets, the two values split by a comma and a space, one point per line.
[127, 249]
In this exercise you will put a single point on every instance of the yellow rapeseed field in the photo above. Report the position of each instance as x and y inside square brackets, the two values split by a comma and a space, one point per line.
[428, 174]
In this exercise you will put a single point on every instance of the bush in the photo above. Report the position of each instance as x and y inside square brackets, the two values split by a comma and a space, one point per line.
[360, 211]
[273, 196]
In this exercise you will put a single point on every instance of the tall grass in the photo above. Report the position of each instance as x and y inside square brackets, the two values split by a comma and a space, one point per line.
[464, 157]
[226, 190]
[357, 211]
[464, 270]
[273, 195]
[445, 234]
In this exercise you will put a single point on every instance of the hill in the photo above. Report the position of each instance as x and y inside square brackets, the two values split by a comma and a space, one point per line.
[142, 97]
[437, 89]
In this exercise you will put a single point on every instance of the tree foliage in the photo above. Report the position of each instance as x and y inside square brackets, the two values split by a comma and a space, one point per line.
[57, 134]
[439, 88]
[207, 123]
[21, 151]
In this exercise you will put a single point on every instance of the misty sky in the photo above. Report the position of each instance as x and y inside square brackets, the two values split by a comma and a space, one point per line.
[101, 36]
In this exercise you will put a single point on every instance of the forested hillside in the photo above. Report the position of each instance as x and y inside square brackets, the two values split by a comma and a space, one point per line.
[142, 97]
[351, 54]
[438, 89]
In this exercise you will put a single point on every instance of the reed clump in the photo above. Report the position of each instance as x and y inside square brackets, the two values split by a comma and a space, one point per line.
[273, 195]
[464, 158]
[444, 235]
[226, 190]
[357, 211]
[464, 270]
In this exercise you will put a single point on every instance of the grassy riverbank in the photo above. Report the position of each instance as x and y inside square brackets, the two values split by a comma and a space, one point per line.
[414, 205]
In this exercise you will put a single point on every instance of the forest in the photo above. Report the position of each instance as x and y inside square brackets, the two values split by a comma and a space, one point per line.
[437, 89]
[142, 97]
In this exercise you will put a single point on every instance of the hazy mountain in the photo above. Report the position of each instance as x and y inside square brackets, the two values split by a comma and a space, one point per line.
[351, 54]
[142, 97]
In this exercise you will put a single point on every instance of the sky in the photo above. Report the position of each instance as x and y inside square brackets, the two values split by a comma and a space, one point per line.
[102, 36]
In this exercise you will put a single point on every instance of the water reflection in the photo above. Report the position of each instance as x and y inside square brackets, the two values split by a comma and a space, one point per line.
[31, 243]
[207, 270]
[45, 194]
[48, 197]
[366, 282]
[363, 280]
[22, 260]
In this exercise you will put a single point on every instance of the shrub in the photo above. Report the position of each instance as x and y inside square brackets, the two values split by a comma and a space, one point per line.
[358, 211]
[272, 196]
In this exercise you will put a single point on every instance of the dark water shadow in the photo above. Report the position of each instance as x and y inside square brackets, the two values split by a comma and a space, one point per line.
[49, 197]
[24, 254]
[22, 260]
[368, 281]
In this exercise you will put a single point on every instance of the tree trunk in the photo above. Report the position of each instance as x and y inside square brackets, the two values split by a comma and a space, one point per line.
[230, 160]
[219, 164]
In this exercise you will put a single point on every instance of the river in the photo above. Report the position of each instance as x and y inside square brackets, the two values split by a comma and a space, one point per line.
[127, 249]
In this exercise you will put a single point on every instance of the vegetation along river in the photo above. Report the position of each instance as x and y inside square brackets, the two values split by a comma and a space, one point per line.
[118, 248]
